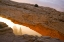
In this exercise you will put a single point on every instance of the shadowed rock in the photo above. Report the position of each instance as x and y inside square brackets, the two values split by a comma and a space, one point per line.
[2, 25]
[4, 28]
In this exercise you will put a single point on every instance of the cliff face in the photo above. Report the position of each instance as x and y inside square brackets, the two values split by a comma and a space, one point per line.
[44, 20]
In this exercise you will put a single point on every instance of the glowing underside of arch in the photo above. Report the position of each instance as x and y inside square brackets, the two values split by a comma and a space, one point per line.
[19, 29]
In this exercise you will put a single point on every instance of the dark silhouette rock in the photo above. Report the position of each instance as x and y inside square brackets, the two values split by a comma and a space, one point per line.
[2, 25]
[6, 30]
[36, 5]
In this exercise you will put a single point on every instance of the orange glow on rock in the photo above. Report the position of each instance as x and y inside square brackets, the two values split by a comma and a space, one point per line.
[19, 29]
[32, 29]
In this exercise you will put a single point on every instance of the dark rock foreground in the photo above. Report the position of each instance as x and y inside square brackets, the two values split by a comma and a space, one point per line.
[10, 37]
[6, 35]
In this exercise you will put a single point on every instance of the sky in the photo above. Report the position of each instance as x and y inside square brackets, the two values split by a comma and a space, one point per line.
[56, 4]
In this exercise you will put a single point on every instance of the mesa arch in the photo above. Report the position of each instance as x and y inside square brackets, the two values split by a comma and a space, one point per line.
[19, 14]
[45, 31]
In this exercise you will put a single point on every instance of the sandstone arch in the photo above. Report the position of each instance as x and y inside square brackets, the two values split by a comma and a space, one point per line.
[16, 12]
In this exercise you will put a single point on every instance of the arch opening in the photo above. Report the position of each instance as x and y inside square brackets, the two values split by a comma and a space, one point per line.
[19, 29]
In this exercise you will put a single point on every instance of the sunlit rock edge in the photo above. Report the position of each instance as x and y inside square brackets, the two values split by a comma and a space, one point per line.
[45, 19]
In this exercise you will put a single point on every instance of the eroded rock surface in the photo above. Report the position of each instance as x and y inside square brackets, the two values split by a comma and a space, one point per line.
[9, 37]
[5, 29]
[23, 13]
[6, 35]
[2, 25]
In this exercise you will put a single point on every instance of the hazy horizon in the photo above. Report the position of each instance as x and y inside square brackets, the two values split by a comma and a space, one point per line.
[56, 4]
